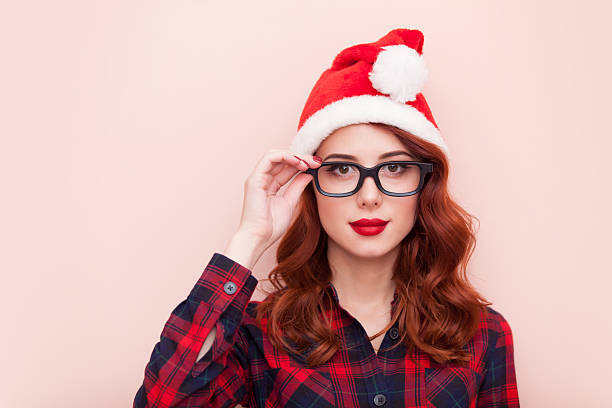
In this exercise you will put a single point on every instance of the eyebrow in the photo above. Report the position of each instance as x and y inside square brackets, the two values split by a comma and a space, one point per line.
[351, 157]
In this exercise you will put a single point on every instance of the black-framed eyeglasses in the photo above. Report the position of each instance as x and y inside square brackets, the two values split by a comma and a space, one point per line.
[394, 178]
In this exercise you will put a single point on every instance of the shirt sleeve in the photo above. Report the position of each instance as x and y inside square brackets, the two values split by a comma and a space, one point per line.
[173, 377]
[499, 388]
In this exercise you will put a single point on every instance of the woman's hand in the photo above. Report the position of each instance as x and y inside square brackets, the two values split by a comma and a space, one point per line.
[266, 213]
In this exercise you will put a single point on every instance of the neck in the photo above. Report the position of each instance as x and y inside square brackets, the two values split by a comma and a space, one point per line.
[360, 282]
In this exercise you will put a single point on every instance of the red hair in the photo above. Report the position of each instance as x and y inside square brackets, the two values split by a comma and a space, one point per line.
[438, 309]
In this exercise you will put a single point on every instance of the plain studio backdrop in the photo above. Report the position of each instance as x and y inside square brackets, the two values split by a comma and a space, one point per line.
[129, 127]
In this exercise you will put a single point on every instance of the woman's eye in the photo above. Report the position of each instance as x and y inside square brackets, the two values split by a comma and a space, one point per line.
[394, 168]
[342, 169]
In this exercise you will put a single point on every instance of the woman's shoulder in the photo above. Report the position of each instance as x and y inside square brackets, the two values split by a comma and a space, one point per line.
[494, 331]
[493, 321]
[251, 309]
[252, 305]
[491, 327]
[249, 320]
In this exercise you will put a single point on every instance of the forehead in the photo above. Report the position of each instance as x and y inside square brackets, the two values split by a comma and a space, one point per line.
[362, 140]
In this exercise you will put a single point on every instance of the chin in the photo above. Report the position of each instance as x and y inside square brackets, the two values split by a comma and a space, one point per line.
[367, 249]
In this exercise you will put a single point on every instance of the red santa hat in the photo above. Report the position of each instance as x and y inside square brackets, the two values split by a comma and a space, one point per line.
[374, 82]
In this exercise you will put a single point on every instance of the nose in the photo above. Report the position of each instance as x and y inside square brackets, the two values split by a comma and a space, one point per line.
[369, 194]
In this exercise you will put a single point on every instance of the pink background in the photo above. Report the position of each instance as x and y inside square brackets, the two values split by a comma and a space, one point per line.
[116, 115]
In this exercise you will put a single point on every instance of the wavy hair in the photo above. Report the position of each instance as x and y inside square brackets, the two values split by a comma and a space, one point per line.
[438, 309]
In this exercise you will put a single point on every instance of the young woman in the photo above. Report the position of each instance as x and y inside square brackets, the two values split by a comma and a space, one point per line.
[371, 305]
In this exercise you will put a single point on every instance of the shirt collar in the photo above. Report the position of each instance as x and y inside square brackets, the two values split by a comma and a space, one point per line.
[331, 289]
[341, 319]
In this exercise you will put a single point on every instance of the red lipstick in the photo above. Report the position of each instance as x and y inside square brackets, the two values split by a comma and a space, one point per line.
[367, 226]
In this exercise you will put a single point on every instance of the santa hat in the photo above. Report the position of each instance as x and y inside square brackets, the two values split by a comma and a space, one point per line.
[374, 82]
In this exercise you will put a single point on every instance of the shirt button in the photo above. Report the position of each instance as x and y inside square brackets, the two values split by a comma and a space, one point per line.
[229, 288]
[379, 399]
[394, 333]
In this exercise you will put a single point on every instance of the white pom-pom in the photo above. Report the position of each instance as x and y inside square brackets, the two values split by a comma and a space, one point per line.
[399, 71]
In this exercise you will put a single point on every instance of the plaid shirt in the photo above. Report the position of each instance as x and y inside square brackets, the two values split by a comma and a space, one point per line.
[243, 367]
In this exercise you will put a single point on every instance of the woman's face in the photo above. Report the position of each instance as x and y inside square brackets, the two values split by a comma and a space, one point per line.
[366, 143]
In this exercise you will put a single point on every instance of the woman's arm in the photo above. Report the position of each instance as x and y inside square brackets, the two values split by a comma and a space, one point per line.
[499, 388]
[239, 250]
[182, 369]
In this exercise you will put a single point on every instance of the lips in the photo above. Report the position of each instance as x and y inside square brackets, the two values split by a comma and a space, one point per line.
[369, 222]
[371, 226]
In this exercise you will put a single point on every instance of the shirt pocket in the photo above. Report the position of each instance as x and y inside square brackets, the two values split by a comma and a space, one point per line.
[455, 387]
[298, 387]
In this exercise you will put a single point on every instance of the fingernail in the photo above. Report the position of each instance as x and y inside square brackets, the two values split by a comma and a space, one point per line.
[317, 159]
[299, 158]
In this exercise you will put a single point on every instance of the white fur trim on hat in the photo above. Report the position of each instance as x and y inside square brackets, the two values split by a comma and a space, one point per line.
[363, 109]
[399, 71]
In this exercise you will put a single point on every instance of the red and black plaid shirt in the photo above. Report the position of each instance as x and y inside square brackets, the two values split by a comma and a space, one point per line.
[242, 367]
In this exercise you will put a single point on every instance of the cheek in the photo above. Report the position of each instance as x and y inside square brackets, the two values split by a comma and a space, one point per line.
[327, 208]
[332, 213]
[405, 215]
